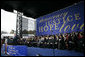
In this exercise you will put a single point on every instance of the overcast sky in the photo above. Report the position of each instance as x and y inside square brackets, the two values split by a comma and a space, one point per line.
[8, 21]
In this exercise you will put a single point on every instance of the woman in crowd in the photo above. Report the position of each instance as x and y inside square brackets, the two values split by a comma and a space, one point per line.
[76, 41]
[62, 42]
[59, 44]
[81, 41]
[65, 36]
[70, 42]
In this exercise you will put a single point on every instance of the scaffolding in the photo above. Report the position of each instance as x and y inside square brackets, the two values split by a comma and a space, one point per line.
[19, 24]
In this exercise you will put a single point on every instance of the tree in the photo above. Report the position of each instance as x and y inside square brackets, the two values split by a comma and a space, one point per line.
[24, 32]
[28, 32]
[12, 32]
[31, 32]
[3, 32]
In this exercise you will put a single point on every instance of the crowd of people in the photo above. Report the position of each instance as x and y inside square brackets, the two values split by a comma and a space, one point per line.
[70, 41]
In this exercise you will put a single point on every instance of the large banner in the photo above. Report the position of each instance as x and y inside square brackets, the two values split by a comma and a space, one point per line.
[70, 19]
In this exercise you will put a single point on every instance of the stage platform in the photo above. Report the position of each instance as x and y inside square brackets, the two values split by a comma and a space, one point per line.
[23, 50]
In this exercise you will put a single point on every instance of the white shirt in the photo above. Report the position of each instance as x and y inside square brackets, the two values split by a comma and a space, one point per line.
[5, 40]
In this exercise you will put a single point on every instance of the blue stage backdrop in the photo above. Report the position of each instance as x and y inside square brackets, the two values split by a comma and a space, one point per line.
[23, 50]
[17, 50]
[69, 19]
